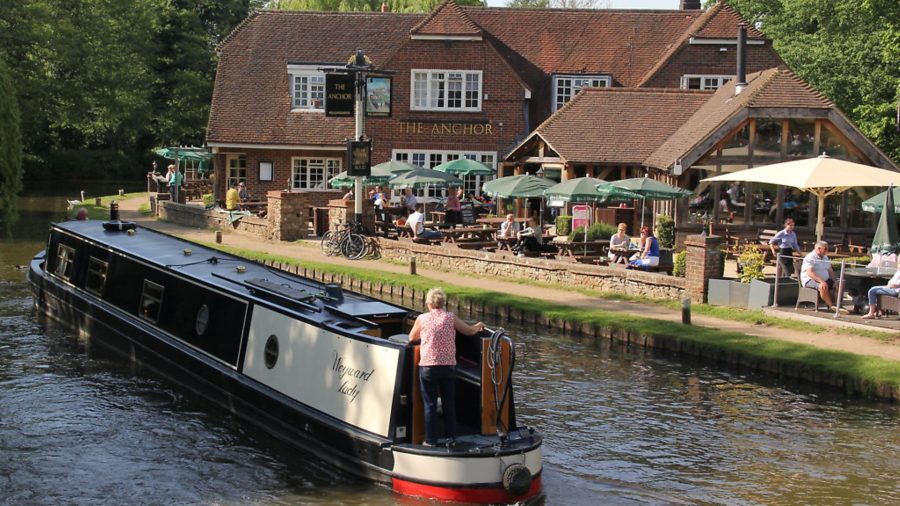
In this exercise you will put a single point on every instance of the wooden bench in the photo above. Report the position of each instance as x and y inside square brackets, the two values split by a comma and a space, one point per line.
[475, 244]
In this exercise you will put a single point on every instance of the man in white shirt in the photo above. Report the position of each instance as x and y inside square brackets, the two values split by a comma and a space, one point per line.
[816, 272]
[416, 223]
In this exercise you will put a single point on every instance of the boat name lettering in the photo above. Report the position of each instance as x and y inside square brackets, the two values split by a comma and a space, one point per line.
[347, 387]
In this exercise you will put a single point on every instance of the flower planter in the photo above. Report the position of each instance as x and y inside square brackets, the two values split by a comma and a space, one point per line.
[762, 292]
[719, 292]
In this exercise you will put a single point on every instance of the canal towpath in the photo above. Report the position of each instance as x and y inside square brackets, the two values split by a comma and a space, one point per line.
[829, 339]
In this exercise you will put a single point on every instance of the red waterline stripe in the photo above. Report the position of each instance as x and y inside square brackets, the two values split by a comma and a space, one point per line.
[484, 495]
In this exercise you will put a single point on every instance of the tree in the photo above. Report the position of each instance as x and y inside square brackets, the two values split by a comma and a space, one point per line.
[847, 50]
[10, 149]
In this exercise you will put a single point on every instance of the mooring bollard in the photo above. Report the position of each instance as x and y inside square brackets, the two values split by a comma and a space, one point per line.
[412, 265]
[97, 201]
[686, 310]
[218, 237]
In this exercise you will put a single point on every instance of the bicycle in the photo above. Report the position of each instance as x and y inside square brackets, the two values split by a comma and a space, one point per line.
[349, 241]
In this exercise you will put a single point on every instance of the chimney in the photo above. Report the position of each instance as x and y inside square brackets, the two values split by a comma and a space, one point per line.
[385, 7]
[741, 77]
[688, 5]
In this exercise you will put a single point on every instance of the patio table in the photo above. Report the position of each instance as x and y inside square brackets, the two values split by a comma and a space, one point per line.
[861, 279]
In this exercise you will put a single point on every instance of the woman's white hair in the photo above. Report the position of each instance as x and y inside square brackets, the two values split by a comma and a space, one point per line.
[436, 297]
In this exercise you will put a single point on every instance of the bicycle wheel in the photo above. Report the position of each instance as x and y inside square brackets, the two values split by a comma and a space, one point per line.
[353, 246]
[330, 244]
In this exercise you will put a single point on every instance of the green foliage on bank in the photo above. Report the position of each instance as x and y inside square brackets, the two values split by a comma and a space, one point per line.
[871, 370]
[10, 150]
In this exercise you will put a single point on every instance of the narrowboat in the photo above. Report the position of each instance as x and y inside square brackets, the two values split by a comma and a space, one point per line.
[325, 369]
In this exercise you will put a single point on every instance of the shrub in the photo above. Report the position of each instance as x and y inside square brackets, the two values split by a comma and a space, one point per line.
[596, 232]
[679, 264]
[751, 262]
[563, 225]
[665, 231]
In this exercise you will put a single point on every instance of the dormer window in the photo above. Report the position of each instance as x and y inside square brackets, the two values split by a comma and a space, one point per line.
[565, 87]
[307, 85]
[446, 90]
[703, 82]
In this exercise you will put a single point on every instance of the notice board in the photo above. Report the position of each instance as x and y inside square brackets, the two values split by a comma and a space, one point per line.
[468, 213]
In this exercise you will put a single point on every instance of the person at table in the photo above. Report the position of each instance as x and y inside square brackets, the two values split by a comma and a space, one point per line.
[528, 239]
[232, 197]
[349, 196]
[649, 254]
[242, 192]
[786, 240]
[409, 201]
[816, 272]
[509, 230]
[453, 208]
[891, 289]
[619, 241]
[436, 331]
[416, 223]
[883, 259]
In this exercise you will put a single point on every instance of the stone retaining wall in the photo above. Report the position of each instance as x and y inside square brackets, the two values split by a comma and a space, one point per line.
[607, 279]
[784, 368]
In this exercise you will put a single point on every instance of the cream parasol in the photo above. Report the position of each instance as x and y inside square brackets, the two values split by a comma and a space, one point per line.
[821, 176]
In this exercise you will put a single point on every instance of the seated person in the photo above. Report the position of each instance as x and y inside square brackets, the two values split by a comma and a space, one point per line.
[232, 198]
[242, 192]
[528, 239]
[649, 254]
[509, 229]
[416, 223]
[618, 245]
[816, 272]
[892, 289]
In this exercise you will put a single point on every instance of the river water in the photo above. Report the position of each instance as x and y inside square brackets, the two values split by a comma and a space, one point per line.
[621, 426]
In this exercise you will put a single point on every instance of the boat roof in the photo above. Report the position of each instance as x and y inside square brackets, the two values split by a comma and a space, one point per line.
[230, 273]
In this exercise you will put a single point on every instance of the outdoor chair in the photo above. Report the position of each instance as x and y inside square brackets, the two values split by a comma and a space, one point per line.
[804, 293]
[889, 303]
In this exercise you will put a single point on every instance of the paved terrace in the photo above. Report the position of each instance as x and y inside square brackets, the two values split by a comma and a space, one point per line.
[309, 250]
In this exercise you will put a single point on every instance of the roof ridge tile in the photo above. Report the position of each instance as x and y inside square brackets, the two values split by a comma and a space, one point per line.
[448, 18]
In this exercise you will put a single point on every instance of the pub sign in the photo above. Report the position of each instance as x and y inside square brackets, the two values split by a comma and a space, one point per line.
[359, 155]
[339, 99]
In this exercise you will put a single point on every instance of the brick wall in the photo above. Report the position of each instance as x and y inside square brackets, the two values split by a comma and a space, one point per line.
[703, 263]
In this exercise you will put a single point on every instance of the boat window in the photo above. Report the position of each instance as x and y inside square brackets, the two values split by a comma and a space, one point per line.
[65, 260]
[96, 276]
[271, 353]
[202, 320]
[151, 301]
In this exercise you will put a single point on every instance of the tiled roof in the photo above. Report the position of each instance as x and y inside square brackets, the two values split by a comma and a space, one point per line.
[719, 22]
[618, 125]
[251, 101]
[773, 88]
[447, 19]
[625, 44]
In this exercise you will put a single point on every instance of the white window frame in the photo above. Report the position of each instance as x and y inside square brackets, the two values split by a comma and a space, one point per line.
[236, 168]
[436, 90]
[303, 179]
[566, 86]
[430, 159]
[307, 88]
[707, 81]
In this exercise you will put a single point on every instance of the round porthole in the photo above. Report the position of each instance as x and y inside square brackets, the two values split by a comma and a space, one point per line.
[271, 353]
[201, 323]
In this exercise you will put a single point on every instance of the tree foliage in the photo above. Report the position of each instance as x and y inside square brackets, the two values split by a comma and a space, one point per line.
[10, 149]
[850, 51]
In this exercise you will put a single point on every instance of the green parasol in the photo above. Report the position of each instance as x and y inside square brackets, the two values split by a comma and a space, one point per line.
[425, 178]
[651, 189]
[524, 186]
[379, 175]
[201, 156]
[395, 167]
[876, 203]
[580, 189]
[886, 238]
[465, 167]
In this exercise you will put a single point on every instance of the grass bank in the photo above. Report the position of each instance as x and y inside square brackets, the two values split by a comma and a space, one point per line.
[866, 374]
